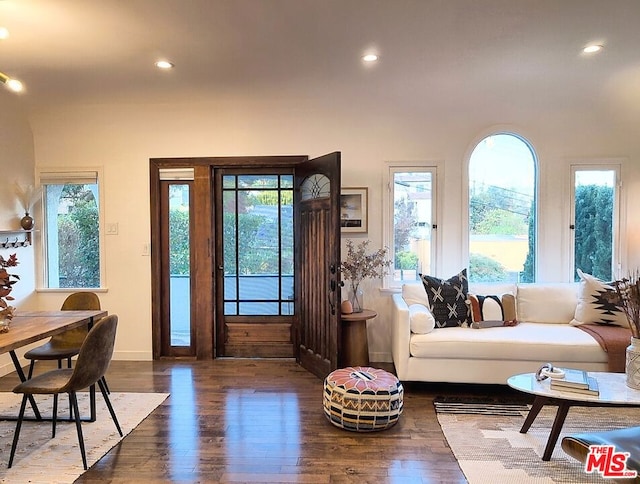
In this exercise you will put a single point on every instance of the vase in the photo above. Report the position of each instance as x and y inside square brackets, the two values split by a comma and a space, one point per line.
[4, 324]
[633, 364]
[26, 222]
[355, 296]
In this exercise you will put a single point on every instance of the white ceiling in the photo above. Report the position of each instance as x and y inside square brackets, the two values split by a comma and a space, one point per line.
[441, 55]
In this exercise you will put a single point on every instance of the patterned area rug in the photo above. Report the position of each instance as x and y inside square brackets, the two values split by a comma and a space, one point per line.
[490, 448]
[42, 459]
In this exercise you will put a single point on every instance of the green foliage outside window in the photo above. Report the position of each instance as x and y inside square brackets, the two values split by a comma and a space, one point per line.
[78, 239]
[485, 269]
[593, 230]
[179, 255]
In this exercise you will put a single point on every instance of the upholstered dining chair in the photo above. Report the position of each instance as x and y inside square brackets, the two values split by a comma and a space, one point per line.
[92, 363]
[65, 346]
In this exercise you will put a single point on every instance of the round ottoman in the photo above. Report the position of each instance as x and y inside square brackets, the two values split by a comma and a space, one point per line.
[362, 399]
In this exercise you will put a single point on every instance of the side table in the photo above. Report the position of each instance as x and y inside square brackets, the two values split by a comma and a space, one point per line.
[355, 347]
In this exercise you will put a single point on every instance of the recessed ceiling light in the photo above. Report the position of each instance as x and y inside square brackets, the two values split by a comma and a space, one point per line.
[163, 64]
[12, 84]
[370, 57]
[4, 33]
[590, 49]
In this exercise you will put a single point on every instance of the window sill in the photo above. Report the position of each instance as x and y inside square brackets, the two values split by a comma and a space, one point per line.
[71, 289]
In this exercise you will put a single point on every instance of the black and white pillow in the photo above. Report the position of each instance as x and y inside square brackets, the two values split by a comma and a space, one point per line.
[448, 299]
[595, 304]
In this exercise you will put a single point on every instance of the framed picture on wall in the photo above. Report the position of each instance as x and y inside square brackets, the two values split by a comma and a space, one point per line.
[354, 209]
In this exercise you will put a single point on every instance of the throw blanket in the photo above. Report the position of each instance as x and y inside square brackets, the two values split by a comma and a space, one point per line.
[614, 340]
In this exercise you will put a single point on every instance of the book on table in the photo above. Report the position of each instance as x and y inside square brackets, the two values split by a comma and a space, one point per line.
[592, 387]
[573, 378]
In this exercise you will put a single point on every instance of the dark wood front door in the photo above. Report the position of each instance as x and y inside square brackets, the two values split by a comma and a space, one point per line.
[317, 239]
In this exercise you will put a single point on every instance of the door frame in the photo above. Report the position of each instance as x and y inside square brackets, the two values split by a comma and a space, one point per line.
[203, 250]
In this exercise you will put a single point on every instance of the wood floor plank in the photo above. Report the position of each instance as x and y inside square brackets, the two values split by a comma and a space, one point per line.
[240, 420]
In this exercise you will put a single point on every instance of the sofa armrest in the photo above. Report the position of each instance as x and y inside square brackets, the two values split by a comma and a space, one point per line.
[400, 335]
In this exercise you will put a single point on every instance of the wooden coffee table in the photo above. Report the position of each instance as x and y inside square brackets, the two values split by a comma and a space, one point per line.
[613, 392]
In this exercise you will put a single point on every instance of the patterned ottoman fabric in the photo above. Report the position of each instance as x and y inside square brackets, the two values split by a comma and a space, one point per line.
[362, 399]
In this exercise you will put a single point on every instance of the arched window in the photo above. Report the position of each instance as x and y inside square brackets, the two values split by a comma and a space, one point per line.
[502, 210]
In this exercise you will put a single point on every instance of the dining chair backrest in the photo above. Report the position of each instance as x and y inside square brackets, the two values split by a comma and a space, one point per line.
[78, 301]
[95, 355]
[87, 301]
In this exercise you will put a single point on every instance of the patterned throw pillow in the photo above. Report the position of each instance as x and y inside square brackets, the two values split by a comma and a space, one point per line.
[448, 299]
[593, 304]
[491, 311]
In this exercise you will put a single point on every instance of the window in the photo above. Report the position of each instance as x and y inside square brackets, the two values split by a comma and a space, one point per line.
[412, 222]
[71, 206]
[594, 220]
[502, 210]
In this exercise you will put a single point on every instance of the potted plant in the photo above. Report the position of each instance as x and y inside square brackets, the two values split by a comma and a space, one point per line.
[358, 266]
[7, 281]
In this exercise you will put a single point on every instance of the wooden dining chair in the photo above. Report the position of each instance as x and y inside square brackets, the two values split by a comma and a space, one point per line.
[92, 363]
[66, 345]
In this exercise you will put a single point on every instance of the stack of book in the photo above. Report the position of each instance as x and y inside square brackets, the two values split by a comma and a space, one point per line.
[577, 381]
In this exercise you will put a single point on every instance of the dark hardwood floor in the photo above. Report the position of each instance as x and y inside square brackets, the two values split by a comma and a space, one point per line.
[262, 421]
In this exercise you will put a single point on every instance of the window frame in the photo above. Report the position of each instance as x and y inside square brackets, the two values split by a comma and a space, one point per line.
[614, 165]
[69, 175]
[390, 168]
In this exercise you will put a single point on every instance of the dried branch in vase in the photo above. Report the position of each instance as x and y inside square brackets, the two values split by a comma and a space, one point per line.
[359, 265]
[628, 292]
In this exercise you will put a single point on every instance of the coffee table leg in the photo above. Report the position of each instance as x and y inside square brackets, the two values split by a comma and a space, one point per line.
[538, 403]
[563, 409]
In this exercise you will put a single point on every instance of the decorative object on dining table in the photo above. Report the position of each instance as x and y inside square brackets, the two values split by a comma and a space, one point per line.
[628, 294]
[359, 266]
[28, 196]
[7, 281]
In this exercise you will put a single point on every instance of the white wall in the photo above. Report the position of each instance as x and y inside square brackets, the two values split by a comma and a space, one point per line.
[16, 165]
[122, 138]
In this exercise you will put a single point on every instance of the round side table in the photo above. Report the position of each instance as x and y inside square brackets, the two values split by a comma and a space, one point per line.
[355, 347]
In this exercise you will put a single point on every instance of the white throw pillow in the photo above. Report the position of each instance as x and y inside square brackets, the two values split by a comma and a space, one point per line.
[593, 304]
[421, 321]
[414, 294]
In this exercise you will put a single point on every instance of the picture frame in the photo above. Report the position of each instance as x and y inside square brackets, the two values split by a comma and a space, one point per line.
[354, 210]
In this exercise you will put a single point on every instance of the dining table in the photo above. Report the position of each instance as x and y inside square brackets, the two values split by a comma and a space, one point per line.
[32, 326]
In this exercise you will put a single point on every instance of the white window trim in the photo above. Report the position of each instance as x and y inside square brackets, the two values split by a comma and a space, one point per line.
[618, 259]
[65, 173]
[389, 168]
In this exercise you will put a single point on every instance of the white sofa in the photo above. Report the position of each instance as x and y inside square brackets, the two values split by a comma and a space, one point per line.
[491, 355]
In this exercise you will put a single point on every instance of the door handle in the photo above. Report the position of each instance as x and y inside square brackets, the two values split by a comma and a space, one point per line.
[332, 296]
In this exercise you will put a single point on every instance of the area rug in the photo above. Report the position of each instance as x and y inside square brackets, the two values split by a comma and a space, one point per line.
[490, 448]
[40, 459]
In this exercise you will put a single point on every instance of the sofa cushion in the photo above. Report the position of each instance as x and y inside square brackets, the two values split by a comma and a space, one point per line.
[448, 299]
[547, 302]
[421, 321]
[593, 304]
[535, 342]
